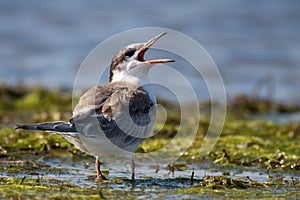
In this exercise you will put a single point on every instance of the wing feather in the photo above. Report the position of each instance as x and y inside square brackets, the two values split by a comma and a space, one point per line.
[122, 111]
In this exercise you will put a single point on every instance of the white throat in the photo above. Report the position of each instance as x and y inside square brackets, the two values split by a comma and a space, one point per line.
[142, 80]
[129, 78]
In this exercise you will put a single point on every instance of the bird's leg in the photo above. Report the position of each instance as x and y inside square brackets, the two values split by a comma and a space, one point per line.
[132, 168]
[99, 173]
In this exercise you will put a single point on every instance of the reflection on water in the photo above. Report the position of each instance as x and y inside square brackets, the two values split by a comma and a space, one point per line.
[45, 42]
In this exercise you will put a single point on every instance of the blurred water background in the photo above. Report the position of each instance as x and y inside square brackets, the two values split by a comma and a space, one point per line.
[255, 44]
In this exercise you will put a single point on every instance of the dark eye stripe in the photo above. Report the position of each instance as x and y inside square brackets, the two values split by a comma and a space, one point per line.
[130, 53]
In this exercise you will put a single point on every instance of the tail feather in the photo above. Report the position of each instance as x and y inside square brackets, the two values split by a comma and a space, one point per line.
[59, 127]
[68, 130]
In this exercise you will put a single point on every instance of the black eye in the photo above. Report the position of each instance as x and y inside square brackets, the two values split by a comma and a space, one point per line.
[129, 53]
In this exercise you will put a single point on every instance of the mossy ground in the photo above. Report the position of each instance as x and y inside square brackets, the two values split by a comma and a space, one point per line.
[30, 169]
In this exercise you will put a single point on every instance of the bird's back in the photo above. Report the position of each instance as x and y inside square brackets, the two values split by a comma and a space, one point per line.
[118, 115]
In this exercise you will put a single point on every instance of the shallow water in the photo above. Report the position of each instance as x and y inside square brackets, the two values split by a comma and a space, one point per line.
[79, 171]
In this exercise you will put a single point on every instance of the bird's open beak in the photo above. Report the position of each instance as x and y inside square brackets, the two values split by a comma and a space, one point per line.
[148, 44]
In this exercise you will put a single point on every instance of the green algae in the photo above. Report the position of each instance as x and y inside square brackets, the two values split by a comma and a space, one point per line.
[29, 188]
[245, 144]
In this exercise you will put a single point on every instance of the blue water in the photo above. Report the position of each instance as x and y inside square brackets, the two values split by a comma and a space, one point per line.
[44, 42]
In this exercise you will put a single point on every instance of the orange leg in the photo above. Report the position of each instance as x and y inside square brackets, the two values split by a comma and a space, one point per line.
[99, 174]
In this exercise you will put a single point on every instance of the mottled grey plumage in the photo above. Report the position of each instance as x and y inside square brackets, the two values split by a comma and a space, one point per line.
[111, 105]
[116, 117]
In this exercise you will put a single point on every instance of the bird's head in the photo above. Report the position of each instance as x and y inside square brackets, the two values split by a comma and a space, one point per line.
[129, 64]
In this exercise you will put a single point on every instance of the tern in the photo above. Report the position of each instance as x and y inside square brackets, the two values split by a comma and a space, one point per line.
[116, 117]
